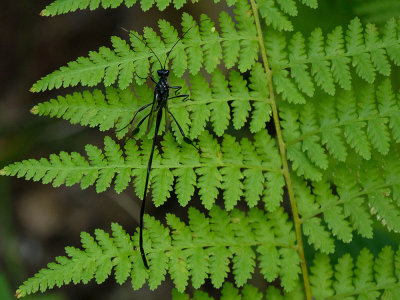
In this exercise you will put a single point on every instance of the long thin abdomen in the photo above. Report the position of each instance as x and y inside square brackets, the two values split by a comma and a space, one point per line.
[142, 209]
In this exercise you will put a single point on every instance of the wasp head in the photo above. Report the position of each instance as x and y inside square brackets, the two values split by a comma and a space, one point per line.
[163, 73]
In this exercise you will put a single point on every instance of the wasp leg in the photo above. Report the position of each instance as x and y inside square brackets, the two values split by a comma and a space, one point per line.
[177, 89]
[185, 139]
[185, 97]
[138, 111]
[136, 130]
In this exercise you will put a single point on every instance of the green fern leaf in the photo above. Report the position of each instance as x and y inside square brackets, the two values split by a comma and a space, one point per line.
[321, 278]
[366, 121]
[355, 45]
[274, 16]
[369, 280]
[258, 165]
[299, 72]
[116, 108]
[329, 64]
[340, 62]
[123, 61]
[173, 248]
[343, 275]
[248, 292]
[320, 69]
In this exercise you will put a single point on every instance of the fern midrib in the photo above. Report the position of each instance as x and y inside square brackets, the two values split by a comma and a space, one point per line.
[155, 166]
[132, 108]
[165, 250]
[210, 245]
[322, 129]
[282, 149]
[301, 62]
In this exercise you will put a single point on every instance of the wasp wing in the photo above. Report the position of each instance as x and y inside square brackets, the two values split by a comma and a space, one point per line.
[152, 113]
[167, 119]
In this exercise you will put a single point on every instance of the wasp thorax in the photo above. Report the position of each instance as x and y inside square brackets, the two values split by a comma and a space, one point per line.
[163, 73]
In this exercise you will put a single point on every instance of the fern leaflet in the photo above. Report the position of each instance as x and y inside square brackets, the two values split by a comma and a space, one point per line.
[296, 72]
[365, 279]
[363, 122]
[372, 191]
[275, 13]
[115, 108]
[257, 164]
[201, 250]
[203, 45]
[248, 292]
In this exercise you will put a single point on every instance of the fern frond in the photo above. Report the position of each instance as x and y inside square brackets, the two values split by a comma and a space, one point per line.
[364, 279]
[329, 59]
[258, 164]
[202, 46]
[115, 108]
[59, 7]
[361, 195]
[275, 13]
[366, 122]
[201, 250]
[247, 292]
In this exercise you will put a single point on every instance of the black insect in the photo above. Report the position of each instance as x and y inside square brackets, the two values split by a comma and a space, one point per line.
[158, 106]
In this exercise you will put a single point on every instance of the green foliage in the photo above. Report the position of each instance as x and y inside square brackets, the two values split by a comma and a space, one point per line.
[203, 249]
[366, 122]
[340, 123]
[370, 190]
[275, 13]
[248, 292]
[296, 73]
[365, 279]
[238, 168]
[115, 107]
[203, 44]
[59, 7]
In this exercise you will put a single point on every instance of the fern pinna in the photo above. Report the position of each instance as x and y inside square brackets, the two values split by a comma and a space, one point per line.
[332, 150]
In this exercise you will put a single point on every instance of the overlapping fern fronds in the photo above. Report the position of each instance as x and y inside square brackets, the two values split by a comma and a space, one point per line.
[343, 164]
[203, 249]
[366, 277]
[245, 169]
[295, 71]
[116, 107]
[202, 46]
[364, 122]
[275, 13]
[326, 61]
[347, 199]
[248, 292]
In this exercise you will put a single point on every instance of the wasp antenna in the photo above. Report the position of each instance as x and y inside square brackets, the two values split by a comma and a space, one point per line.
[183, 35]
[145, 43]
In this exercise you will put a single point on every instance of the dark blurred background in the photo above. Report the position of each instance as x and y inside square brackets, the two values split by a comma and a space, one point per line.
[37, 221]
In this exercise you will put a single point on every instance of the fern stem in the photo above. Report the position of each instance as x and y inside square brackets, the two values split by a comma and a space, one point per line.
[282, 150]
